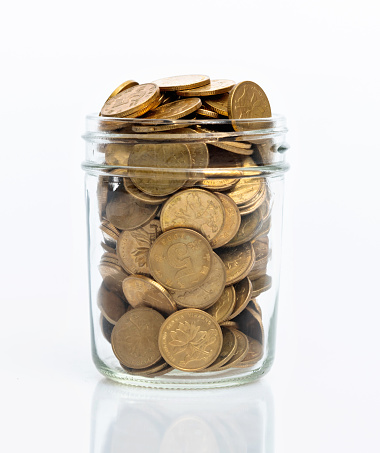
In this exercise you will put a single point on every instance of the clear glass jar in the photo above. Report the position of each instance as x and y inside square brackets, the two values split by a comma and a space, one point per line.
[184, 240]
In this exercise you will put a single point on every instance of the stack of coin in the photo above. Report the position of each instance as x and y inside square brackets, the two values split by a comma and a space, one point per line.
[184, 260]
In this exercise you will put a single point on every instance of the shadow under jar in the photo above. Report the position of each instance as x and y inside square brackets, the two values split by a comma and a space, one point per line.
[184, 240]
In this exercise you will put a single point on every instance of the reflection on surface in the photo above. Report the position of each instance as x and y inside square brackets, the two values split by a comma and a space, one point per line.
[234, 420]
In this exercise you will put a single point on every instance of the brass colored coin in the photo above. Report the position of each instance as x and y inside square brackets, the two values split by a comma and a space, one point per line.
[254, 354]
[260, 285]
[207, 113]
[131, 100]
[110, 236]
[122, 87]
[253, 303]
[229, 324]
[265, 228]
[113, 276]
[135, 338]
[126, 213]
[146, 371]
[197, 209]
[198, 151]
[257, 202]
[215, 87]
[261, 249]
[243, 293]
[250, 225]
[258, 271]
[218, 104]
[133, 247]
[109, 257]
[106, 328]
[228, 349]
[217, 184]
[247, 100]
[240, 353]
[106, 247]
[151, 106]
[165, 370]
[206, 294]
[102, 194]
[142, 291]
[180, 259]
[174, 155]
[238, 261]
[175, 110]
[231, 224]
[117, 154]
[245, 190]
[183, 82]
[156, 128]
[230, 146]
[224, 306]
[190, 340]
[142, 196]
[251, 324]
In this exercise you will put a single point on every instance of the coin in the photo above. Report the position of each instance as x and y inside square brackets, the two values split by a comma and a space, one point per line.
[240, 353]
[258, 271]
[238, 261]
[251, 324]
[254, 354]
[224, 306]
[146, 371]
[208, 292]
[133, 247]
[229, 347]
[117, 154]
[197, 209]
[126, 213]
[131, 100]
[110, 236]
[245, 190]
[143, 291]
[218, 104]
[198, 151]
[175, 83]
[250, 225]
[260, 285]
[106, 328]
[231, 224]
[135, 338]
[243, 293]
[253, 303]
[231, 324]
[207, 113]
[156, 128]
[218, 86]
[122, 87]
[113, 276]
[217, 184]
[180, 259]
[176, 109]
[230, 146]
[158, 182]
[106, 247]
[142, 196]
[110, 257]
[261, 249]
[190, 340]
[102, 195]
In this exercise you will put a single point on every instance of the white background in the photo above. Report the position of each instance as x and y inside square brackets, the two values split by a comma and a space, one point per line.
[318, 62]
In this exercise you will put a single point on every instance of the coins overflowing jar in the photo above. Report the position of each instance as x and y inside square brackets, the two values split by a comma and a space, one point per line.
[184, 191]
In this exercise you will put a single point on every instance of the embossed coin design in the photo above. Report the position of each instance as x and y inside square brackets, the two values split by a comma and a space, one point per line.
[110, 304]
[238, 261]
[175, 110]
[250, 225]
[241, 350]
[175, 83]
[190, 340]
[113, 276]
[180, 259]
[224, 306]
[218, 104]
[122, 87]
[243, 294]
[232, 221]
[228, 349]
[135, 338]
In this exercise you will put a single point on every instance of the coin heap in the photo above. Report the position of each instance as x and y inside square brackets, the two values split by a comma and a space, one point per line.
[184, 260]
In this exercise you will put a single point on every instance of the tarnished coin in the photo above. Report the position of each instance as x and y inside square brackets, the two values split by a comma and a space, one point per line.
[218, 86]
[224, 306]
[135, 338]
[231, 224]
[113, 276]
[173, 155]
[243, 294]
[142, 196]
[260, 285]
[126, 213]
[197, 209]
[122, 87]
[106, 328]
[180, 259]
[245, 190]
[133, 247]
[208, 292]
[228, 349]
[117, 154]
[218, 104]
[175, 110]
[251, 324]
[238, 261]
[142, 291]
[190, 340]
[247, 100]
[250, 225]
[182, 82]
[254, 354]
[131, 100]
[240, 353]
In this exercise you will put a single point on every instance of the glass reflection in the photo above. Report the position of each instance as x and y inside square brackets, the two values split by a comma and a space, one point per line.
[235, 420]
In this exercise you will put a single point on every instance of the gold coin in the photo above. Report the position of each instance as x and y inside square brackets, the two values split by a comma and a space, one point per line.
[218, 86]
[126, 213]
[218, 104]
[231, 224]
[156, 128]
[260, 285]
[117, 154]
[258, 271]
[109, 235]
[106, 247]
[254, 354]
[243, 293]
[240, 353]
[146, 371]
[198, 151]
[151, 106]
[261, 249]
[245, 190]
[254, 304]
[207, 113]
[229, 324]
[230, 146]
[133, 247]
[247, 100]
[251, 324]
[113, 276]
[250, 225]
[217, 184]
[106, 328]
[208, 292]
[102, 194]
[174, 155]
[180, 259]
[190, 340]
[122, 87]
[256, 202]
[183, 82]
[175, 110]
[228, 349]
[224, 306]
[135, 338]
[131, 100]
[264, 230]
[142, 291]
[165, 370]
[197, 209]
[142, 196]
[110, 257]
[238, 261]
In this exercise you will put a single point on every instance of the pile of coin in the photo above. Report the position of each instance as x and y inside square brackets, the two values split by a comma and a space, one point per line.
[184, 259]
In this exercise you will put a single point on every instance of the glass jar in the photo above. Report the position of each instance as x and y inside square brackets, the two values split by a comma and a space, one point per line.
[184, 225]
